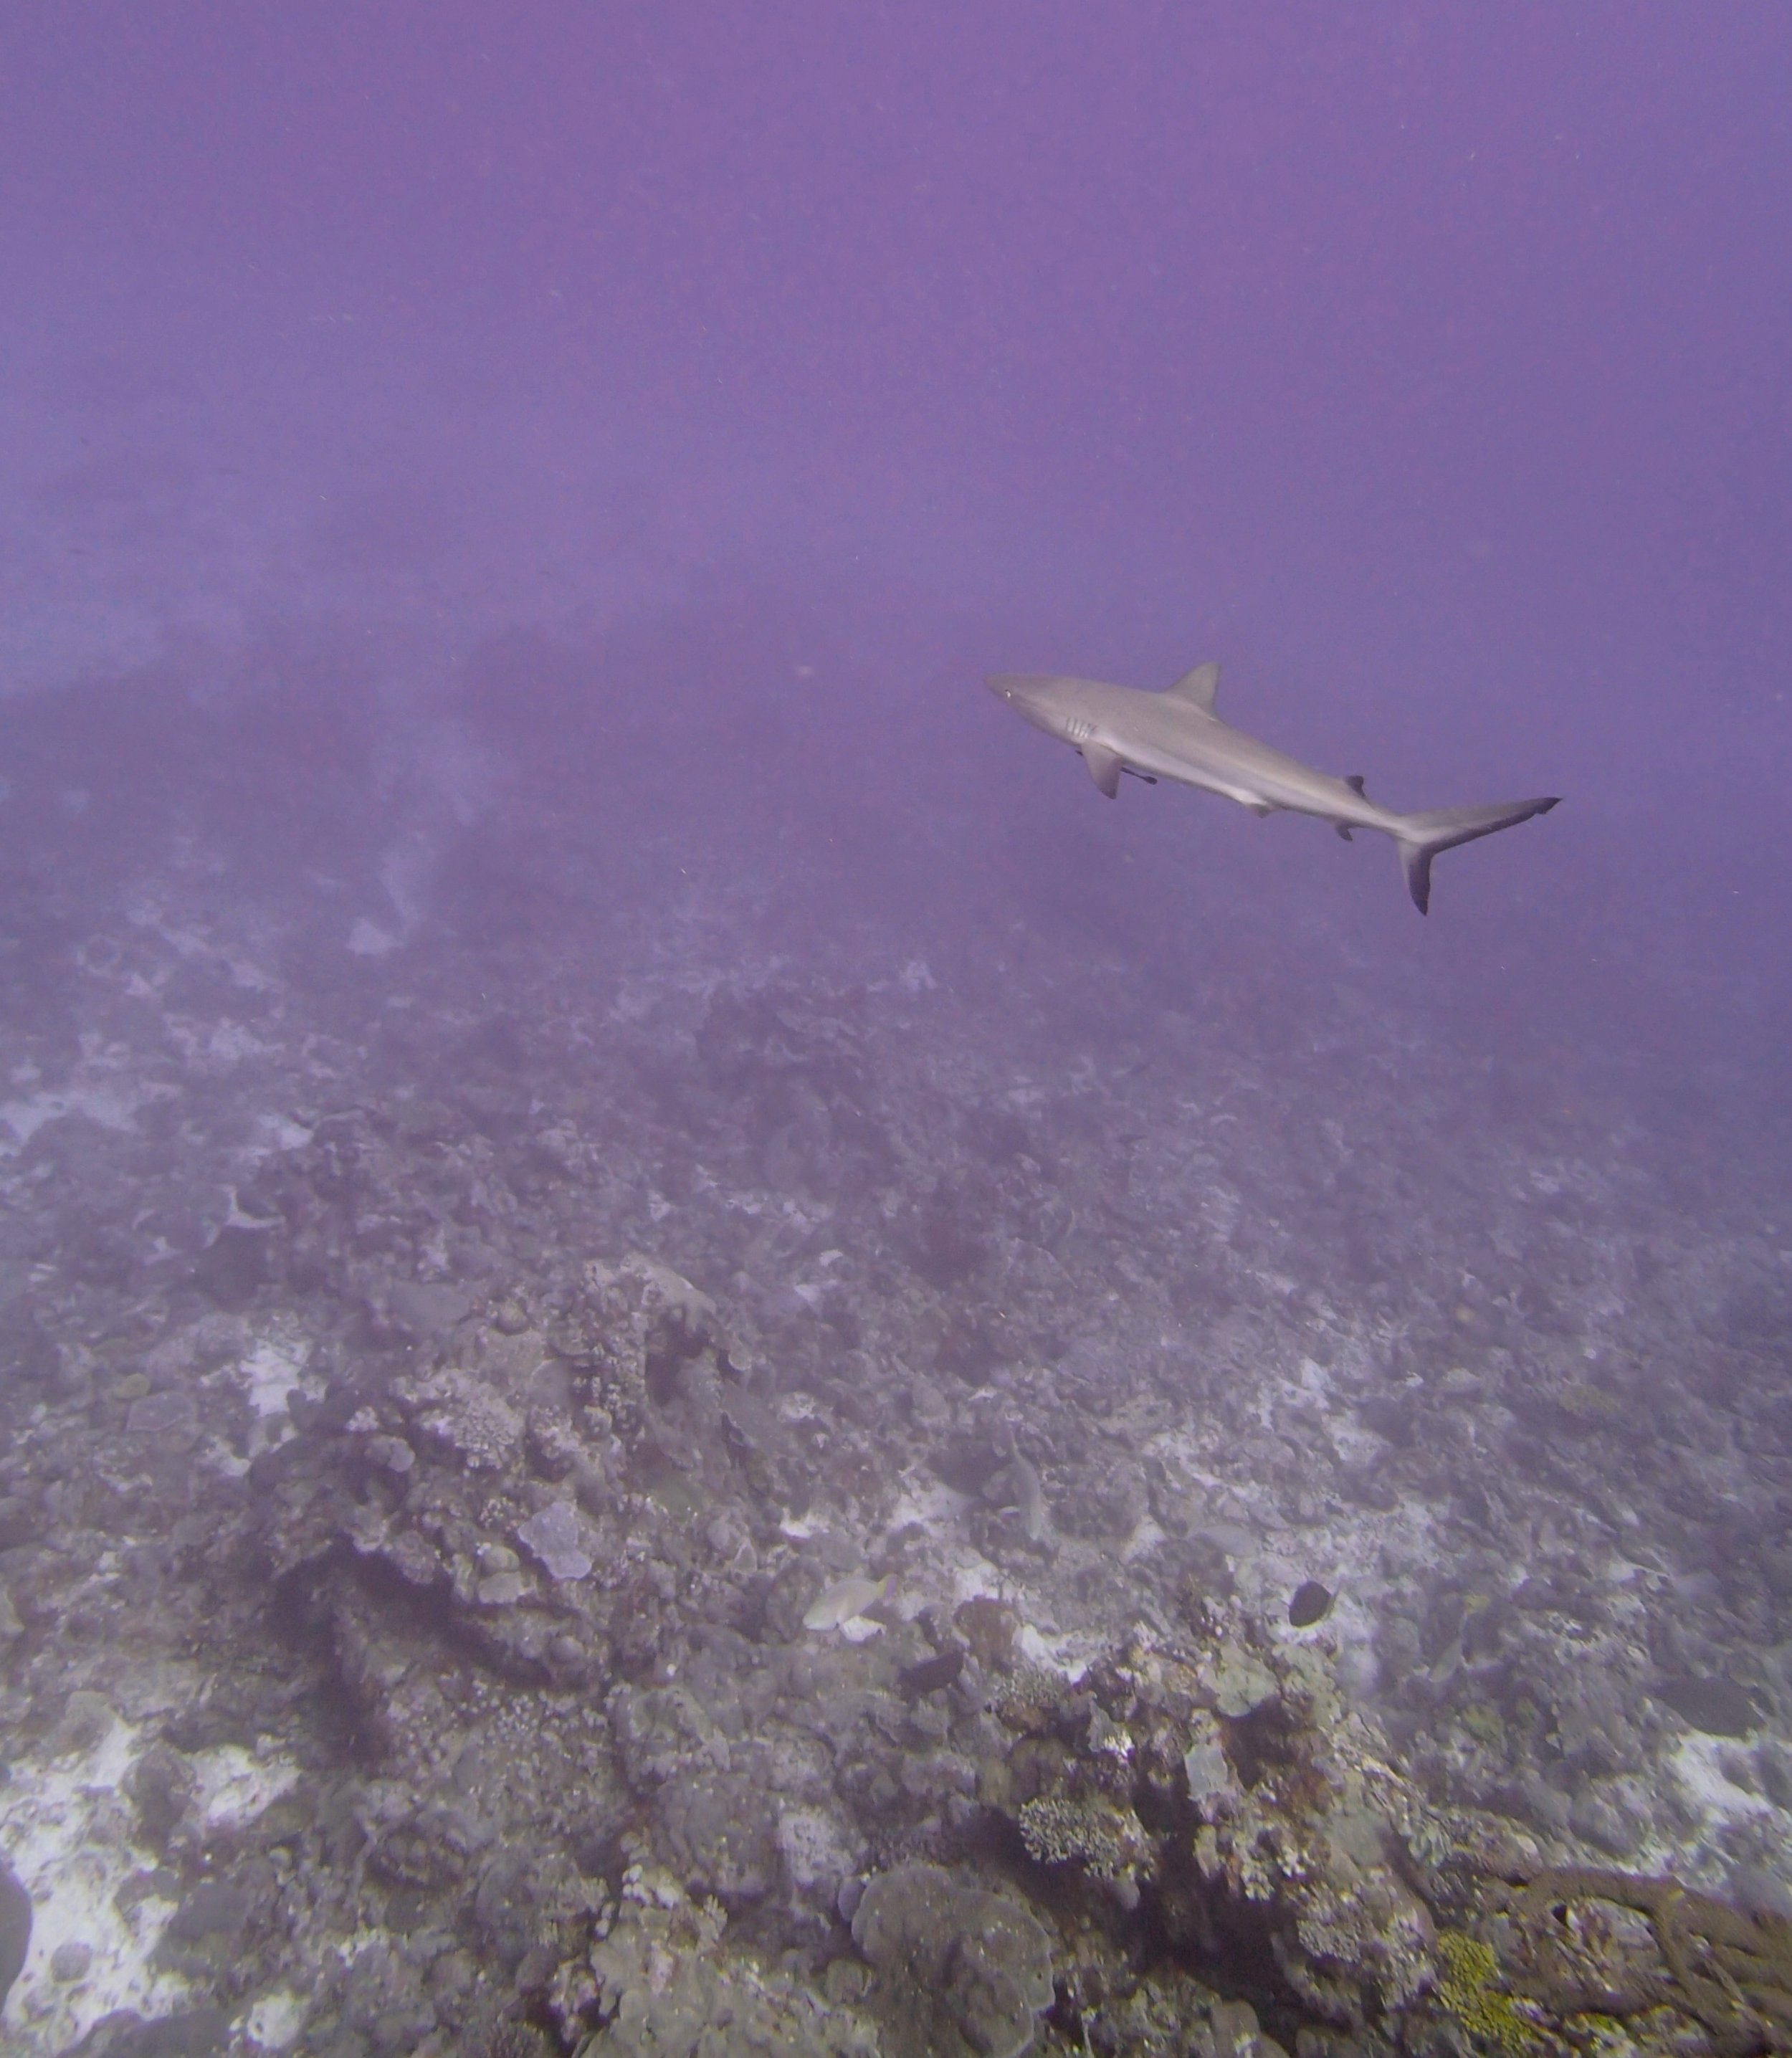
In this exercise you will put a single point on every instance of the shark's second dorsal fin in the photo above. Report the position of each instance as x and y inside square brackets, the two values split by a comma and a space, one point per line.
[1200, 686]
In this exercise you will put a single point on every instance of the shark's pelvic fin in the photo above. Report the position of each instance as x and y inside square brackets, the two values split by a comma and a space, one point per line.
[1421, 836]
[1201, 686]
[1104, 768]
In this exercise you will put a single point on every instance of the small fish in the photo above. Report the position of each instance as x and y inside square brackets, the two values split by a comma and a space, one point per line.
[1311, 1603]
[1717, 1706]
[1449, 1662]
[1018, 1485]
[15, 1927]
[844, 1599]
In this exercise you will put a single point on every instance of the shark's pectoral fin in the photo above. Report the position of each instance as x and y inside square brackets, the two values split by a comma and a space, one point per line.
[1104, 768]
[1201, 686]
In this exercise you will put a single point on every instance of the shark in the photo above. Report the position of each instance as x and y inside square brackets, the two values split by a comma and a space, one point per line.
[1178, 734]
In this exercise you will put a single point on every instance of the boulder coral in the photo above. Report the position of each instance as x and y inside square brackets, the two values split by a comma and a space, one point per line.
[960, 1971]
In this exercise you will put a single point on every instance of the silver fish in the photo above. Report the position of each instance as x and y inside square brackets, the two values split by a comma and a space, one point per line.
[844, 1599]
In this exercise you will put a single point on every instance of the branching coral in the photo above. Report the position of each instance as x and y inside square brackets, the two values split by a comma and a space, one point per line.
[1027, 1698]
[1109, 1843]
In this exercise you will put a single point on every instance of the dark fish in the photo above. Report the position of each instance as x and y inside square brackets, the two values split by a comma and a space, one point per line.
[931, 1674]
[1718, 1706]
[15, 1928]
[1311, 1603]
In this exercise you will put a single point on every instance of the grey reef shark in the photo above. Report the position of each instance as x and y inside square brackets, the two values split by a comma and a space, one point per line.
[1177, 735]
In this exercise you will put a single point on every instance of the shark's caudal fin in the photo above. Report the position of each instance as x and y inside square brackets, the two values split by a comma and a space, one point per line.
[1420, 837]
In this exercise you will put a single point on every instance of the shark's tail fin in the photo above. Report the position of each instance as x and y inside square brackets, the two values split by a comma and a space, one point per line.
[1421, 836]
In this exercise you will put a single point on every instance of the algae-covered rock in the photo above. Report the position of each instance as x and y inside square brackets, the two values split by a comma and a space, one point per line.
[721, 1828]
[714, 1801]
[1240, 1681]
[1212, 1785]
[661, 1988]
[960, 1971]
[557, 1536]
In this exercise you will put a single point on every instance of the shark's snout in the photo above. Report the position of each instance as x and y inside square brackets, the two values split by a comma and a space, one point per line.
[1026, 694]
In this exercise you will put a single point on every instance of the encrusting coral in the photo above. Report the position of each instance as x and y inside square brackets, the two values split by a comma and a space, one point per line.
[1469, 1992]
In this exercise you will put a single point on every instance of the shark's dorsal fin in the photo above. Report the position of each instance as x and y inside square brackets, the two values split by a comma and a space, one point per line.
[1354, 781]
[1200, 686]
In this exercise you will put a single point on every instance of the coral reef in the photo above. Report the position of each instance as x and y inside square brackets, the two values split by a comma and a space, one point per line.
[656, 1985]
[441, 1388]
[1273, 1814]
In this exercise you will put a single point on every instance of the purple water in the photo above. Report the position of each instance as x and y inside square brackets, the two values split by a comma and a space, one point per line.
[505, 512]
